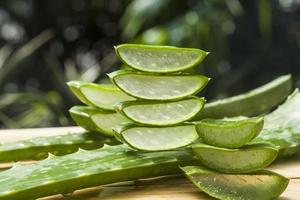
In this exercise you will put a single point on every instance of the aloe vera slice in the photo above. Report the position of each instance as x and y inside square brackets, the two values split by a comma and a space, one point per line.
[162, 59]
[161, 113]
[252, 103]
[96, 120]
[156, 138]
[39, 147]
[96, 95]
[84, 169]
[282, 127]
[246, 159]
[262, 184]
[158, 87]
[229, 133]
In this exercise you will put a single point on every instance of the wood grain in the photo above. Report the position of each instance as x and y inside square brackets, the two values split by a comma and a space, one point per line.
[163, 188]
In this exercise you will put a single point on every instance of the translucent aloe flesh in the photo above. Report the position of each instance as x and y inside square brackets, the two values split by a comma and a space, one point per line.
[233, 133]
[252, 103]
[260, 185]
[39, 147]
[246, 159]
[101, 96]
[100, 121]
[157, 138]
[282, 127]
[158, 87]
[84, 169]
[161, 113]
[162, 59]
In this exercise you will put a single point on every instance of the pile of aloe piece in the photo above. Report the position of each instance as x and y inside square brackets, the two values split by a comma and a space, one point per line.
[165, 129]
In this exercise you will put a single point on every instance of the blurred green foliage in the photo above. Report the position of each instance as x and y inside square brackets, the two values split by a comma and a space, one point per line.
[47, 43]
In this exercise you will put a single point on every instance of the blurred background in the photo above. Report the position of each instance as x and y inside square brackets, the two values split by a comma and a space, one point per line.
[46, 43]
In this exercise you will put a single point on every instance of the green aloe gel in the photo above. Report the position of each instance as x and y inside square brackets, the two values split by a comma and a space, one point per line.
[161, 113]
[151, 86]
[100, 121]
[262, 184]
[229, 133]
[157, 138]
[96, 95]
[161, 59]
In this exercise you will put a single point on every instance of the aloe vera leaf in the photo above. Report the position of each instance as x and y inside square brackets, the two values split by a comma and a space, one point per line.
[282, 127]
[158, 87]
[252, 103]
[161, 113]
[93, 119]
[229, 133]
[262, 184]
[246, 159]
[84, 169]
[161, 59]
[39, 147]
[103, 96]
[156, 138]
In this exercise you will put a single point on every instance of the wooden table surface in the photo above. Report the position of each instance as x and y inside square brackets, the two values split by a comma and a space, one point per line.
[163, 188]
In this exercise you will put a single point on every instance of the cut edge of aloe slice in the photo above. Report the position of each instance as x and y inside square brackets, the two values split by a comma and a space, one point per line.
[263, 184]
[81, 90]
[162, 49]
[151, 138]
[165, 120]
[229, 133]
[203, 80]
[87, 117]
[253, 156]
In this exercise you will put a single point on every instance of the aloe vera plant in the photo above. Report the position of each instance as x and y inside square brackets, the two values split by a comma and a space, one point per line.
[161, 113]
[157, 138]
[119, 163]
[39, 147]
[100, 96]
[229, 133]
[252, 103]
[262, 184]
[100, 121]
[162, 59]
[148, 86]
[282, 126]
[85, 169]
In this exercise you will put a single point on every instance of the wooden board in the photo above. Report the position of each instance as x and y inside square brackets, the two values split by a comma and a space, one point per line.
[163, 188]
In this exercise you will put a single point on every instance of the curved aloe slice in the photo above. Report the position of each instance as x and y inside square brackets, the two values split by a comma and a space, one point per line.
[252, 103]
[156, 138]
[229, 133]
[247, 159]
[158, 87]
[84, 169]
[262, 184]
[39, 147]
[162, 59]
[96, 120]
[161, 113]
[96, 95]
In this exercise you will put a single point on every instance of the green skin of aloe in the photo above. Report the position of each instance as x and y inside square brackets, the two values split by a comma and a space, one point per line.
[118, 163]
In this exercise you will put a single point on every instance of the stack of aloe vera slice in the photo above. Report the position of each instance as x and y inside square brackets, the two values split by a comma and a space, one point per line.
[148, 105]
[150, 110]
[164, 96]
